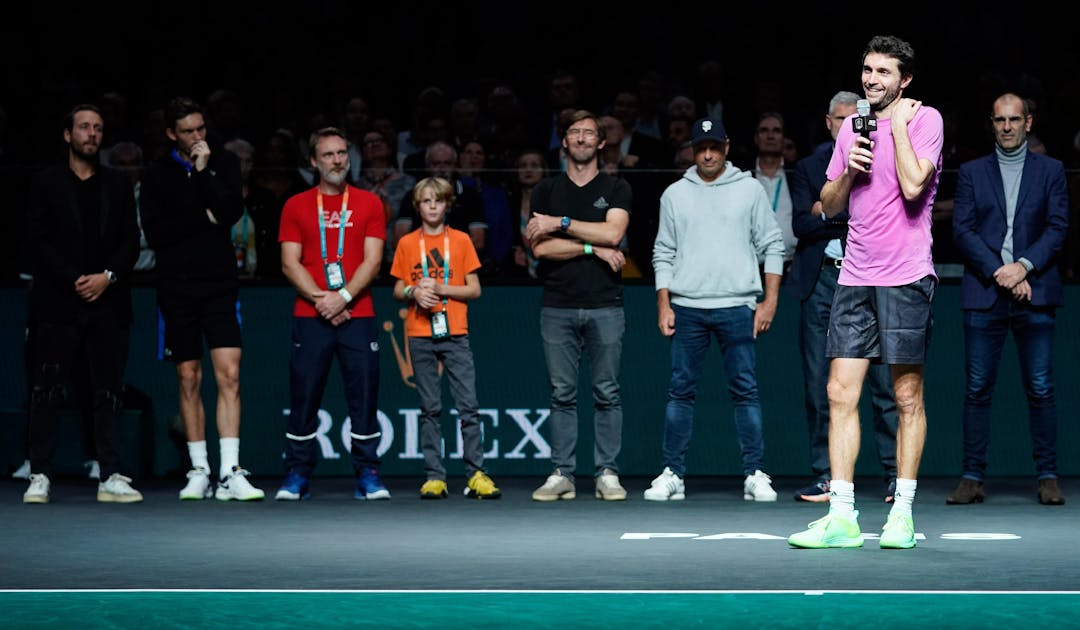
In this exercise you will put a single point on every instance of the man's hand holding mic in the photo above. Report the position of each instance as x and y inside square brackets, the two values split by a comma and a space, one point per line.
[860, 157]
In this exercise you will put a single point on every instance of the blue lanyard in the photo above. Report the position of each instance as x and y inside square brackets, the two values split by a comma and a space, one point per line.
[343, 216]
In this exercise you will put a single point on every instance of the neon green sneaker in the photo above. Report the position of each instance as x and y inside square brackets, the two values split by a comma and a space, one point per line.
[898, 533]
[832, 530]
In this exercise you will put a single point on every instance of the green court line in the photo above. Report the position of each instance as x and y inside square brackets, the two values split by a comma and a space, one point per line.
[520, 610]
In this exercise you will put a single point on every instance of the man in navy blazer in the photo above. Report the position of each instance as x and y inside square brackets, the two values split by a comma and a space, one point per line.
[814, 272]
[1009, 223]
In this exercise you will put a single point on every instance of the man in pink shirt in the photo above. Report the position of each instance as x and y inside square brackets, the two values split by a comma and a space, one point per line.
[886, 177]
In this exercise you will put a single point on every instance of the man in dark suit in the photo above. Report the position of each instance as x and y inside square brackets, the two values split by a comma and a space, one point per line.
[1009, 223]
[84, 241]
[814, 272]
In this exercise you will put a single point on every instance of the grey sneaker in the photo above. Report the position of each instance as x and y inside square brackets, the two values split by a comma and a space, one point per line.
[117, 489]
[38, 492]
[556, 487]
[608, 487]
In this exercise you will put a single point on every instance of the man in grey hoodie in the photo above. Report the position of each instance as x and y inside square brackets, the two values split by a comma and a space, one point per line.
[715, 208]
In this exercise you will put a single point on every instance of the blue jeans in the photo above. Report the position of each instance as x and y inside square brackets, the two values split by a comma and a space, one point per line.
[813, 328]
[734, 331]
[566, 333]
[984, 337]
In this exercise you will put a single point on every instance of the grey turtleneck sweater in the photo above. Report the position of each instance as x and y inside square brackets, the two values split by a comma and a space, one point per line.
[1012, 169]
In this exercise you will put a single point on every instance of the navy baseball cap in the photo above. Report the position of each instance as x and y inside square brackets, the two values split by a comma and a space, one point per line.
[708, 129]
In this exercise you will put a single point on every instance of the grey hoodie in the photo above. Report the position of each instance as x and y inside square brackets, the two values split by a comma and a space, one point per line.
[710, 239]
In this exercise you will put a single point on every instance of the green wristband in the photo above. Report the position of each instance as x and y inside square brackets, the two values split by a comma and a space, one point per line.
[588, 249]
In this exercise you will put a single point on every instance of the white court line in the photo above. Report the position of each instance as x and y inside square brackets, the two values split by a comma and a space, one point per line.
[528, 591]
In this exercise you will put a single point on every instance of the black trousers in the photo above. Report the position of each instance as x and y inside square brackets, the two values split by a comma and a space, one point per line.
[97, 343]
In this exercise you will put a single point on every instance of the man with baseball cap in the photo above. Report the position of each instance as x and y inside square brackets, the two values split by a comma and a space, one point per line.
[714, 208]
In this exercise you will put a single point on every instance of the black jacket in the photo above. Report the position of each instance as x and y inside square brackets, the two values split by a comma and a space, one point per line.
[58, 244]
[173, 203]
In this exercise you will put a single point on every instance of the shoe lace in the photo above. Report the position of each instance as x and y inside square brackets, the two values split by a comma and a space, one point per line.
[482, 483]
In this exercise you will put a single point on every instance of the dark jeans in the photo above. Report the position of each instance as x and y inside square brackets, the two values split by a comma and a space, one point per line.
[97, 336]
[566, 333]
[984, 337]
[734, 331]
[315, 344]
[813, 327]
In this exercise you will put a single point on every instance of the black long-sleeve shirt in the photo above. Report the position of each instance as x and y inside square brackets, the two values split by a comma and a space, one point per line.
[173, 203]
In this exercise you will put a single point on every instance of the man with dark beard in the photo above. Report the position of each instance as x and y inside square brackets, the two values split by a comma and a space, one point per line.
[84, 241]
[882, 309]
[332, 240]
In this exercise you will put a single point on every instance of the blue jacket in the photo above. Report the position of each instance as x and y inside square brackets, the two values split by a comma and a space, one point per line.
[1039, 227]
[813, 232]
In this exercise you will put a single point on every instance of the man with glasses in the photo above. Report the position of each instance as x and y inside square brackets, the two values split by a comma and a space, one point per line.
[579, 219]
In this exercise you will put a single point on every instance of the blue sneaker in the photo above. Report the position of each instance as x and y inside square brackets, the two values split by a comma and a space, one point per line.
[369, 487]
[294, 488]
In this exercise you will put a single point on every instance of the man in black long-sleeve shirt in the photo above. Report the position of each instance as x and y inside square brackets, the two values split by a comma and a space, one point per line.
[189, 199]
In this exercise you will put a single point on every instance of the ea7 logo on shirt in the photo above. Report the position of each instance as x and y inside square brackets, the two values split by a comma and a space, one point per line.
[333, 218]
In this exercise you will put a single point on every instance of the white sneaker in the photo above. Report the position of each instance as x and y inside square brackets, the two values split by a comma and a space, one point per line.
[22, 472]
[758, 487]
[666, 487]
[117, 489]
[198, 486]
[38, 492]
[236, 487]
[93, 469]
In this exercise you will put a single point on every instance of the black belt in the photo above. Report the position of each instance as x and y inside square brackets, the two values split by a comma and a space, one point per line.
[831, 262]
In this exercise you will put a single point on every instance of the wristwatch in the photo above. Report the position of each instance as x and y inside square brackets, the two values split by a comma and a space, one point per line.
[564, 225]
[111, 276]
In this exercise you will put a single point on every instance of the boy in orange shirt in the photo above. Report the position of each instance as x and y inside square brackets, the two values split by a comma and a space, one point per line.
[436, 267]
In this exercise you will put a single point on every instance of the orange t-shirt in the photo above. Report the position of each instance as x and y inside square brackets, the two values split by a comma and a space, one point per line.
[407, 267]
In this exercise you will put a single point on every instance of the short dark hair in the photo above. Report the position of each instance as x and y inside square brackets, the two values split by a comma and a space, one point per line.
[893, 47]
[69, 118]
[180, 107]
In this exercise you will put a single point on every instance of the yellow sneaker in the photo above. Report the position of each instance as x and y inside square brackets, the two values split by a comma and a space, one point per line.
[480, 486]
[433, 489]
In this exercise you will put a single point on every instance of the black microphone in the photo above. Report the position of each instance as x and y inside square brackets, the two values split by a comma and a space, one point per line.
[863, 124]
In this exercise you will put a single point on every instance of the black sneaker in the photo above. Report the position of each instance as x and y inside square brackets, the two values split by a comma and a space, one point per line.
[890, 490]
[817, 492]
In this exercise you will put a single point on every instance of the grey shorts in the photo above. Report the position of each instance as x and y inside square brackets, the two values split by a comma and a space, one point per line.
[889, 325]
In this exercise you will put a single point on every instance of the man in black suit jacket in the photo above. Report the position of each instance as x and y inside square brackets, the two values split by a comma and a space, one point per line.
[815, 269]
[84, 241]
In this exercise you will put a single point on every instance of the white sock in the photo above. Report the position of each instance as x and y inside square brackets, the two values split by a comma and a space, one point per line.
[905, 495]
[842, 498]
[197, 453]
[230, 455]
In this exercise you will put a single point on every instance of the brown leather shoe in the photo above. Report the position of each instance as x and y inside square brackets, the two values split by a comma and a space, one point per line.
[1050, 493]
[969, 491]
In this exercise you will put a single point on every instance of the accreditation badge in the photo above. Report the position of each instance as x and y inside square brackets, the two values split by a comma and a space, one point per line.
[440, 329]
[335, 277]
